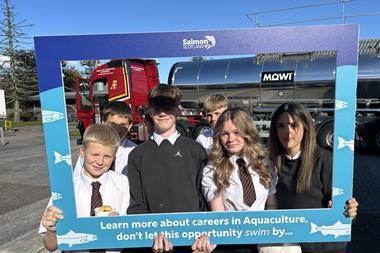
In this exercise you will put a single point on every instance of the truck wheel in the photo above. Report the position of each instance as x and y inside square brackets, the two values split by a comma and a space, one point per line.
[199, 129]
[325, 135]
[182, 128]
[376, 146]
[373, 136]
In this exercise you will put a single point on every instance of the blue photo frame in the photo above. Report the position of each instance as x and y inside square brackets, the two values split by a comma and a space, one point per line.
[224, 227]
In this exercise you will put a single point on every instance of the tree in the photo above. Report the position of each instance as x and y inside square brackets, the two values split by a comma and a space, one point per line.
[24, 76]
[89, 66]
[69, 76]
[16, 86]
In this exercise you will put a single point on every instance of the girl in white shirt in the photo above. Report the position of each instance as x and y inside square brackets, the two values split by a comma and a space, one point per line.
[235, 137]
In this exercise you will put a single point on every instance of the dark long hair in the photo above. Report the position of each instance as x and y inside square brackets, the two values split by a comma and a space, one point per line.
[308, 144]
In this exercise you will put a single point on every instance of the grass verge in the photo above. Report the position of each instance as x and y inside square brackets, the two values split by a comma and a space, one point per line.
[24, 123]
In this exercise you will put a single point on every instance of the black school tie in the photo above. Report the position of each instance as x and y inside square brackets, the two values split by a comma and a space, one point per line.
[96, 198]
[249, 194]
[165, 143]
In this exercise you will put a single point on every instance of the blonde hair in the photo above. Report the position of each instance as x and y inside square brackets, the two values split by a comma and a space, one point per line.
[102, 134]
[252, 150]
[214, 102]
[308, 144]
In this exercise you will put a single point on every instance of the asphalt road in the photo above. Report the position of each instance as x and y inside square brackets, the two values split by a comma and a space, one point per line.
[24, 186]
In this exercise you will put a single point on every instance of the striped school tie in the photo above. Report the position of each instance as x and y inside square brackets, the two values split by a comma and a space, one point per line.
[249, 194]
[96, 201]
[96, 198]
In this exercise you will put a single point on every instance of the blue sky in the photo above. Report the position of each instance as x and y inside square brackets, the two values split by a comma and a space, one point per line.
[123, 16]
[69, 17]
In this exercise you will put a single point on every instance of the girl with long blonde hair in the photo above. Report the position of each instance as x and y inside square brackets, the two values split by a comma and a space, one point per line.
[236, 144]
[238, 177]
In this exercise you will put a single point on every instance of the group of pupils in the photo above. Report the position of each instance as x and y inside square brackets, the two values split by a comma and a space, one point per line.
[225, 169]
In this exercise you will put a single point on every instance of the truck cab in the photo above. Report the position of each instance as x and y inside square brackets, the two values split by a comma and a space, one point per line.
[126, 80]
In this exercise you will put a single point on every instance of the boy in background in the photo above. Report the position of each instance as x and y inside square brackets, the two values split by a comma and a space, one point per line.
[95, 185]
[213, 106]
[119, 116]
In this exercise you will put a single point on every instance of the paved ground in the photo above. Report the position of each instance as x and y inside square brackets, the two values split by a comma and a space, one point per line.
[366, 228]
[24, 186]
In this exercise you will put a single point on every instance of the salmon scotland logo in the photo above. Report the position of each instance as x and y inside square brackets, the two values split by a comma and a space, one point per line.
[206, 43]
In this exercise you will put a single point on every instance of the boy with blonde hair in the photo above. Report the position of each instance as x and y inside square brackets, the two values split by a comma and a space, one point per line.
[118, 115]
[213, 106]
[95, 185]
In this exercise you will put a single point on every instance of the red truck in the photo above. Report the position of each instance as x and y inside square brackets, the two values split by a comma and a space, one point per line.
[126, 80]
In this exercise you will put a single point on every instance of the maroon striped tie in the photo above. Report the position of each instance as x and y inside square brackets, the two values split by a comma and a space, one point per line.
[249, 194]
[96, 201]
[96, 198]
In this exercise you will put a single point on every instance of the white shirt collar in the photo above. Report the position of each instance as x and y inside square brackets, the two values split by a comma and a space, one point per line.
[158, 138]
[296, 156]
[127, 143]
[88, 180]
[123, 142]
[234, 158]
[209, 132]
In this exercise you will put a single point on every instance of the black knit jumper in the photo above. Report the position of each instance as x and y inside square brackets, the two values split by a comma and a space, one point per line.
[316, 197]
[166, 178]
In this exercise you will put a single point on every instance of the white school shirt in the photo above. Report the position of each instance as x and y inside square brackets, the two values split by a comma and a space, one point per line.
[295, 157]
[121, 158]
[172, 138]
[233, 195]
[114, 190]
[205, 139]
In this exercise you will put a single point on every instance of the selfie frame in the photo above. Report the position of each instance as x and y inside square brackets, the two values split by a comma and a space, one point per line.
[244, 227]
